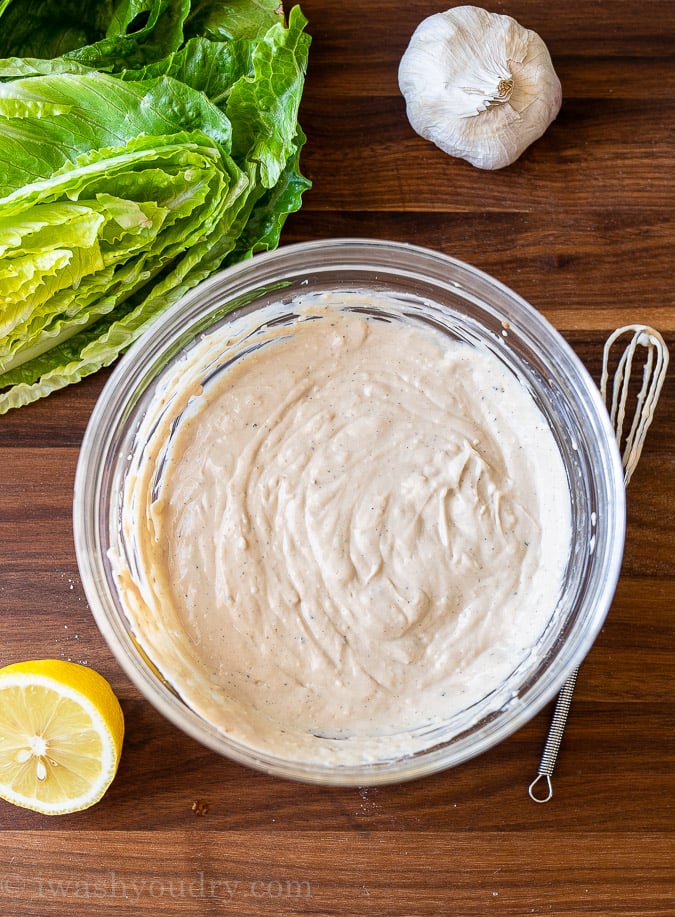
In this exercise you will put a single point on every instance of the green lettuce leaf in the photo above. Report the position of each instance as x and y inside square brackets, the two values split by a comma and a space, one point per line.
[134, 162]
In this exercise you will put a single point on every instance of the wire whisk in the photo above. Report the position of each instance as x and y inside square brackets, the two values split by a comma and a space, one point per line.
[647, 344]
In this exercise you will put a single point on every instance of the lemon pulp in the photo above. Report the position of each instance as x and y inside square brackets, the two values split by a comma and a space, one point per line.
[61, 734]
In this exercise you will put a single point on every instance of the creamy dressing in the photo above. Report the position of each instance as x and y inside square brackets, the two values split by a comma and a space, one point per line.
[357, 530]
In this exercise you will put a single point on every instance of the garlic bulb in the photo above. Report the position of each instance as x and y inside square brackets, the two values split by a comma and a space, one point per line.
[479, 85]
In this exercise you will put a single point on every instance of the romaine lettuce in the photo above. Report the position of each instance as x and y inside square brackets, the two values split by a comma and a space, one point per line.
[154, 144]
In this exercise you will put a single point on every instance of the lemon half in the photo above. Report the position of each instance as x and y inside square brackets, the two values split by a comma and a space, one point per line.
[61, 734]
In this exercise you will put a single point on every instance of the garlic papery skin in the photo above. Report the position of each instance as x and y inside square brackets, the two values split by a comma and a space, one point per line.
[479, 85]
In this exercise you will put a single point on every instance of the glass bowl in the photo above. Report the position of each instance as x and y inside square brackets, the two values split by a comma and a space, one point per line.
[465, 304]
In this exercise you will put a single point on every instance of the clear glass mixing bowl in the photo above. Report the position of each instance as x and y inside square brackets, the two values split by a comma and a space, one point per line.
[468, 305]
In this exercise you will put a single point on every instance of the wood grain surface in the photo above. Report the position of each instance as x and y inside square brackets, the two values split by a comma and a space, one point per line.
[582, 226]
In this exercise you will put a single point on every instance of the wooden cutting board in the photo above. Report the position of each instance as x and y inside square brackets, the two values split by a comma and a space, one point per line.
[582, 226]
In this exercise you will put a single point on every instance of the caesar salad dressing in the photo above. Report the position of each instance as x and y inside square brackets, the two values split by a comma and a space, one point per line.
[360, 529]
